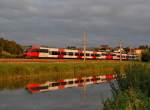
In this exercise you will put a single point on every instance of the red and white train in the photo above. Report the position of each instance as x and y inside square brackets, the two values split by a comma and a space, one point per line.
[61, 53]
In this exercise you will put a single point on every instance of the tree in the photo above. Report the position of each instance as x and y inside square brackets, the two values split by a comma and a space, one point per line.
[71, 47]
[127, 49]
[143, 47]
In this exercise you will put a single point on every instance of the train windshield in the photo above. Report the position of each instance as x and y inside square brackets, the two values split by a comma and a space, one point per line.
[27, 49]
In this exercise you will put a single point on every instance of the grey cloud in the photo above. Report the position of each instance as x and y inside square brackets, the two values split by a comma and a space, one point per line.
[66, 20]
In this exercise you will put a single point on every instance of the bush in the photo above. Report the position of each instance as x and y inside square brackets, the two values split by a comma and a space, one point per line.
[145, 55]
[129, 99]
[134, 90]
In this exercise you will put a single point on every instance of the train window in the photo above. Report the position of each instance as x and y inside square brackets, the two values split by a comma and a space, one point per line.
[63, 53]
[98, 55]
[63, 83]
[59, 53]
[81, 81]
[77, 54]
[43, 50]
[70, 82]
[35, 50]
[124, 56]
[81, 54]
[87, 54]
[77, 81]
[70, 53]
[133, 56]
[39, 88]
[55, 53]
[103, 54]
[25, 50]
[97, 78]
[87, 80]
[92, 54]
[92, 79]
[55, 84]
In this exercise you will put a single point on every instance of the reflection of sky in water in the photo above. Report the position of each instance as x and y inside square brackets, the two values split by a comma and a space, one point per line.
[67, 99]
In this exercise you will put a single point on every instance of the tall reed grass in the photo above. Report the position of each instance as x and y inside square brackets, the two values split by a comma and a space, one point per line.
[134, 90]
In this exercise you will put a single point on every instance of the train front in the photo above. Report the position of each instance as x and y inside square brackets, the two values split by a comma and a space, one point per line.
[31, 52]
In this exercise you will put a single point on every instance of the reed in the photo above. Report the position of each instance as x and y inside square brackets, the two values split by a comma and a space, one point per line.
[134, 90]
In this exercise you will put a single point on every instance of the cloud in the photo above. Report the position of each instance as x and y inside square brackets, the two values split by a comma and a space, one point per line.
[63, 21]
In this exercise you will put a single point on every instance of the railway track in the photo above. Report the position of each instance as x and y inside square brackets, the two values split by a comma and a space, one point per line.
[50, 60]
[32, 60]
[42, 60]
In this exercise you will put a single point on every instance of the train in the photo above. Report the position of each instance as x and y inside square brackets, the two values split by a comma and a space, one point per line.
[63, 53]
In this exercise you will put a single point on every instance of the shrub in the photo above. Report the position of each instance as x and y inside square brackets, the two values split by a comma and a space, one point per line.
[145, 55]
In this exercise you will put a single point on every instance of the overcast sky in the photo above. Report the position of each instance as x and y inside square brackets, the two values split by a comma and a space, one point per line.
[59, 23]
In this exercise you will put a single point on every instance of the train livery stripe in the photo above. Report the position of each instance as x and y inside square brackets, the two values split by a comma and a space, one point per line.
[61, 51]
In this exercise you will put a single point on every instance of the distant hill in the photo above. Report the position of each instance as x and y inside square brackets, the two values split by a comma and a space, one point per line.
[10, 47]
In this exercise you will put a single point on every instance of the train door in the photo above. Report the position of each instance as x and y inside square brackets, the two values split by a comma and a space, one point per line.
[61, 53]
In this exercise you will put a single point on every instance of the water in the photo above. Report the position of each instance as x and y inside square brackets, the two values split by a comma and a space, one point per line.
[67, 99]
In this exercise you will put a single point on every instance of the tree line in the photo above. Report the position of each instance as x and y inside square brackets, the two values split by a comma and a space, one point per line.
[10, 47]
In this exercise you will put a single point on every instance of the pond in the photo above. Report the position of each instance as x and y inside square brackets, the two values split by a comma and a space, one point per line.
[91, 98]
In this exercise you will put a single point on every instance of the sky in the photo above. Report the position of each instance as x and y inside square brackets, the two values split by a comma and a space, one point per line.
[60, 23]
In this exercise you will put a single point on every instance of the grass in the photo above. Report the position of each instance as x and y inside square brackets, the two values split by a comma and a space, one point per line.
[17, 75]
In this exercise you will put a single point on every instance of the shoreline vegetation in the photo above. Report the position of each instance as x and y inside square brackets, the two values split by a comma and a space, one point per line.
[133, 92]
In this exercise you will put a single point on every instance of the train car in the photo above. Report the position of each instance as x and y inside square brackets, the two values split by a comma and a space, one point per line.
[61, 53]
[132, 57]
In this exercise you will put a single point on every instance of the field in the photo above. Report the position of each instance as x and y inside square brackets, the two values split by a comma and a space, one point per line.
[17, 75]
